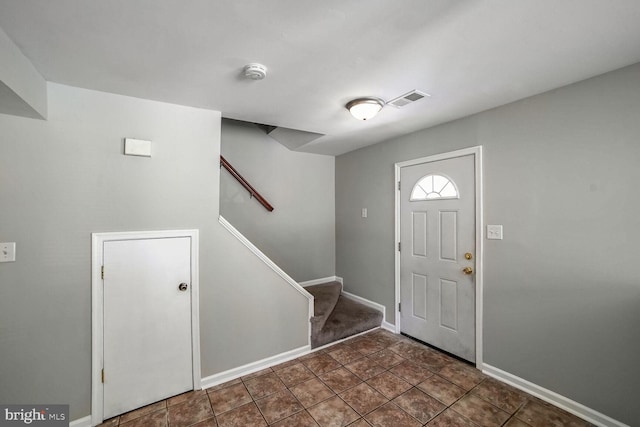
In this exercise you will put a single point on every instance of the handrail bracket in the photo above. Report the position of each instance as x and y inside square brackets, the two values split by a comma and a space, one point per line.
[252, 191]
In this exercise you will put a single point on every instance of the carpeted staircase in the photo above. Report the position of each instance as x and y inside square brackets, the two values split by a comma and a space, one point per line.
[337, 316]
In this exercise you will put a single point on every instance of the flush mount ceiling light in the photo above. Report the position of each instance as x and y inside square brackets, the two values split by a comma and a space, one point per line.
[365, 108]
[255, 71]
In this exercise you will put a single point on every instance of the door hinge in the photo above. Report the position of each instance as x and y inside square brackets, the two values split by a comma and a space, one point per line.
[399, 306]
[398, 185]
[102, 375]
[102, 272]
[398, 246]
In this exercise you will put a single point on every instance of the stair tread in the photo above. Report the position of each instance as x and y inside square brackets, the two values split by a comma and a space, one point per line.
[348, 318]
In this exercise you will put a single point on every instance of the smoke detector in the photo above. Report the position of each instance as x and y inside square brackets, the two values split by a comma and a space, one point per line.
[255, 71]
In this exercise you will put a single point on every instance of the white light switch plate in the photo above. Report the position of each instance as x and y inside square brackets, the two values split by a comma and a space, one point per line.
[364, 212]
[494, 232]
[7, 252]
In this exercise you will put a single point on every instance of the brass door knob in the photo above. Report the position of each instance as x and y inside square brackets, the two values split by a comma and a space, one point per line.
[467, 270]
[468, 255]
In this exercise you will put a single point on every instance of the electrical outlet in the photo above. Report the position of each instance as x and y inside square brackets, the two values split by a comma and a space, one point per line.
[494, 232]
[8, 252]
[364, 212]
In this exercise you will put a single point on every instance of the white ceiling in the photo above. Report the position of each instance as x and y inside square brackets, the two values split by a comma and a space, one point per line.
[469, 55]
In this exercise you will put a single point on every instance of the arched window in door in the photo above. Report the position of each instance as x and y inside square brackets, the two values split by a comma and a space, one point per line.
[434, 187]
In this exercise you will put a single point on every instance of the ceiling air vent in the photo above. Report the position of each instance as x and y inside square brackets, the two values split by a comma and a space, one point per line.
[408, 98]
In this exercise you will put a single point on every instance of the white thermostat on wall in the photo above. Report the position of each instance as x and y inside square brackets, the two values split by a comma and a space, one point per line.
[137, 147]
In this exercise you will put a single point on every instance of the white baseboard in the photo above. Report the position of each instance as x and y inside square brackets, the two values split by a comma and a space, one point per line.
[81, 422]
[229, 375]
[252, 367]
[368, 303]
[388, 326]
[385, 325]
[552, 397]
[320, 281]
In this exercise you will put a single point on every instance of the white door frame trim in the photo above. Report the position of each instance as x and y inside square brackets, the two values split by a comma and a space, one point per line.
[97, 350]
[477, 153]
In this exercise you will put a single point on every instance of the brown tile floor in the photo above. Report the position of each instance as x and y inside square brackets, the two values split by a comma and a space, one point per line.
[376, 379]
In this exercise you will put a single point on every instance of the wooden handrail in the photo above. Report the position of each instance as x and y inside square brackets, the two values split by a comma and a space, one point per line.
[252, 191]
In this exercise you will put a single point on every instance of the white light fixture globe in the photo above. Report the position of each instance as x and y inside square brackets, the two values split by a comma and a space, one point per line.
[365, 108]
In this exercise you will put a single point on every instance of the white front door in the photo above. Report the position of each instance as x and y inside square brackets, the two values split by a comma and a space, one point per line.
[147, 322]
[437, 235]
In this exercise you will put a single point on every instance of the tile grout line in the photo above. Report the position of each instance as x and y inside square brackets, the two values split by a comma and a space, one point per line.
[379, 341]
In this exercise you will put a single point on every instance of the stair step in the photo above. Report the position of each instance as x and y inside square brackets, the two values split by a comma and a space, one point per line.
[348, 318]
[325, 299]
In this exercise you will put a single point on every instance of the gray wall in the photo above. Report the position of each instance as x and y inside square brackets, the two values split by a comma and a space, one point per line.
[299, 235]
[64, 178]
[562, 289]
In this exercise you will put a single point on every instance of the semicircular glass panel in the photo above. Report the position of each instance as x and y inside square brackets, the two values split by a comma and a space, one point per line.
[434, 187]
